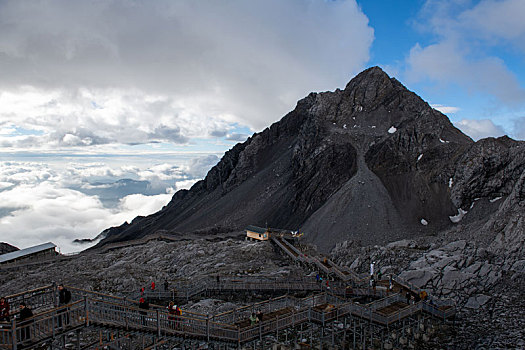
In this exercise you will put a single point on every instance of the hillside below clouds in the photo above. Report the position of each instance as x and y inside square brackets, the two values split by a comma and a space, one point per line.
[372, 163]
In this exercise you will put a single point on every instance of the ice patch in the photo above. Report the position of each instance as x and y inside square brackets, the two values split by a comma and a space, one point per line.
[420, 156]
[424, 222]
[344, 126]
[443, 141]
[494, 199]
[457, 218]
[450, 182]
[392, 130]
[472, 205]
[373, 126]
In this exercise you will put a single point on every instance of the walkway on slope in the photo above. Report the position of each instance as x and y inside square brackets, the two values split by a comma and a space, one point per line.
[324, 264]
[342, 273]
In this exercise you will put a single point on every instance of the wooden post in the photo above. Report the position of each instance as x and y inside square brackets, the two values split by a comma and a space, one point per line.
[208, 327]
[13, 333]
[86, 309]
[354, 334]
[260, 332]
[158, 323]
[277, 327]
[55, 294]
[322, 329]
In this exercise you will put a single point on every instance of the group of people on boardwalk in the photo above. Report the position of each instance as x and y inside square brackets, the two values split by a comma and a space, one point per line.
[256, 317]
[24, 314]
[173, 312]
[153, 286]
[320, 280]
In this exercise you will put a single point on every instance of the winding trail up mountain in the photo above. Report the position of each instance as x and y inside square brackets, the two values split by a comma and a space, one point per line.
[373, 163]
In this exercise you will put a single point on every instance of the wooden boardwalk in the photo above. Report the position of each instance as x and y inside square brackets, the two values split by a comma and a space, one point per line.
[92, 309]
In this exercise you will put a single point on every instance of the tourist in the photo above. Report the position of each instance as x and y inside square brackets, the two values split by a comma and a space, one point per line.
[172, 309]
[259, 315]
[25, 313]
[253, 319]
[142, 291]
[152, 286]
[64, 298]
[144, 305]
[4, 310]
[408, 297]
[178, 313]
[166, 285]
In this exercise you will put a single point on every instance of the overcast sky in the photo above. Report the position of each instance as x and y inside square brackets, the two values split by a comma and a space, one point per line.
[93, 92]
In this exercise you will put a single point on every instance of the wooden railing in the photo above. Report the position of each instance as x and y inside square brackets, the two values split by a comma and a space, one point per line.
[186, 291]
[92, 308]
[38, 298]
[327, 266]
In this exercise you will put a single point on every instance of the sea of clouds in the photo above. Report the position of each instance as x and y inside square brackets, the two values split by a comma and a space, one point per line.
[60, 201]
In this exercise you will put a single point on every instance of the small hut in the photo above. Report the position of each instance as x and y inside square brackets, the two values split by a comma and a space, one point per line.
[258, 233]
[36, 253]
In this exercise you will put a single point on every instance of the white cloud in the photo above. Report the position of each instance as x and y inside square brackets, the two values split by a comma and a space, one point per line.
[446, 109]
[497, 20]
[447, 63]
[45, 212]
[465, 51]
[478, 129]
[519, 128]
[198, 167]
[42, 202]
[89, 72]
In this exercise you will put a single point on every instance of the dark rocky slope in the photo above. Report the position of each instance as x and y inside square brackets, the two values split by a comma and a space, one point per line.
[371, 163]
[7, 248]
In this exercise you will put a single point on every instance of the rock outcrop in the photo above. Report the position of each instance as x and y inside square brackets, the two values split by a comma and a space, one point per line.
[7, 248]
[372, 163]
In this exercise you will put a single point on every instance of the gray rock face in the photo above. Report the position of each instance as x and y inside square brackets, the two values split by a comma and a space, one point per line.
[7, 248]
[486, 283]
[372, 163]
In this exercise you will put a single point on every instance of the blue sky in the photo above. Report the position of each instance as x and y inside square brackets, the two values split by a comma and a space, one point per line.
[93, 92]
[457, 29]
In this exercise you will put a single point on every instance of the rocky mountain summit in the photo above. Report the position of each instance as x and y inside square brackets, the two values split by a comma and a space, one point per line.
[368, 173]
[372, 163]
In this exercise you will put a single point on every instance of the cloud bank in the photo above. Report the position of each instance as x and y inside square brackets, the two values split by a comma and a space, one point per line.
[479, 129]
[84, 73]
[40, 203]
[468, 39]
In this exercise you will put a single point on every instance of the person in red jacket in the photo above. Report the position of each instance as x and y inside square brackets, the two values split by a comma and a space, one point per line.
[152, 286]
[4, 310]
[172, 311]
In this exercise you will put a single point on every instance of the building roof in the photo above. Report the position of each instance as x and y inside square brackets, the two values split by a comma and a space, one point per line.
[256, 229]
[25, 252]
